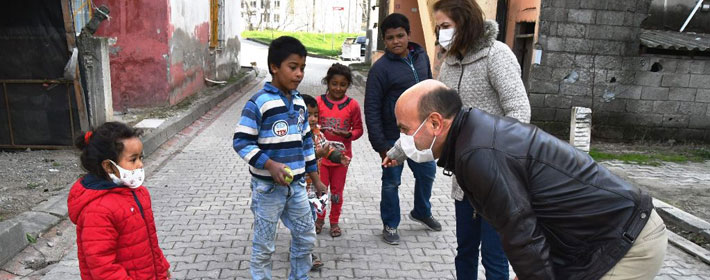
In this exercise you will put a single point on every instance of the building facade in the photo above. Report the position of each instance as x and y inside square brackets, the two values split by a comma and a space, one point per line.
[317, 16]
[162, 51]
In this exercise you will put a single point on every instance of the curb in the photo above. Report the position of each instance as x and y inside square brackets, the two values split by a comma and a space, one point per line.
[688, 222]
[156, 137]
[309, 54]
[13, 232]
[359, 79]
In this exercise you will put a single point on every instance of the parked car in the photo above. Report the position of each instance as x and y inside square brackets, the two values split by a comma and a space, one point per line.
[354, 48]
[362, 40]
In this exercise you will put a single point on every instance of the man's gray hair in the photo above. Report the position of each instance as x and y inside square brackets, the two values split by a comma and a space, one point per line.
[442, 100]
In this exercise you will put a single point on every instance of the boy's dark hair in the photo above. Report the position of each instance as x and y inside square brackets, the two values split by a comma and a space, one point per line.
[442, 100]
[281, 48]
[393, 21]
[105, 142]
[309, 100]
[338, 69]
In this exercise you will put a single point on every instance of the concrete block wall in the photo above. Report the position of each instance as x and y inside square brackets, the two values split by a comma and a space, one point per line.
[633, 96]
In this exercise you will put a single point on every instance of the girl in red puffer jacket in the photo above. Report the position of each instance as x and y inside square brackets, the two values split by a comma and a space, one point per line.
[116, 236]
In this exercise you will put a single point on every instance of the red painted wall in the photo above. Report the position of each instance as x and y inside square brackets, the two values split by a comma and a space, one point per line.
[139, 70]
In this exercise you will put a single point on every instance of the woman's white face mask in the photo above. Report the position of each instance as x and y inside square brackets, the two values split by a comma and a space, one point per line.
[446, 37]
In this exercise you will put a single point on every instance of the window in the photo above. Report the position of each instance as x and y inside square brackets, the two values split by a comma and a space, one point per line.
[277, 4]
[277, 18]
[253, 4]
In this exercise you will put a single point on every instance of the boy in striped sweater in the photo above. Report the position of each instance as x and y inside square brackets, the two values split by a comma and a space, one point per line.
[274, 137]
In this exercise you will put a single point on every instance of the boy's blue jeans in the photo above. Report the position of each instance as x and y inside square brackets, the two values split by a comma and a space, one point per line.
[424, 174]
[269, 203]
[470, 233]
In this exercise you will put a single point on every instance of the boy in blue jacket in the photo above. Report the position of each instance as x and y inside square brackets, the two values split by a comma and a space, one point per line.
[404, 64]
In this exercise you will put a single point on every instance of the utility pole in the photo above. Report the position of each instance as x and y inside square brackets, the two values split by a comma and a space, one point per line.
[384, 7]
[368, 24]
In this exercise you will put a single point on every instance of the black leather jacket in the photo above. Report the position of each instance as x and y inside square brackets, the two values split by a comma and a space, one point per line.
[560, 214]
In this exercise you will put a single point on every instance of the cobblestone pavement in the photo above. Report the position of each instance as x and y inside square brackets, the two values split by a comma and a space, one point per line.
[201, 202]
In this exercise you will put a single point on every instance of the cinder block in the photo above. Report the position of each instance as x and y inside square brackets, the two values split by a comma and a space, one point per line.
[557, 59]
[582, 101]
[684, 66]
[552, 44]
[699, 122]
[639, 106]
[554, 14]
[598, 5]
[682, 94]
[674, 120]
[12, 238]
[649, 79]
[616, 105]
[541, 72]
[578, 45]
[583, 60]
[558, 101]
[598, 32]
[575, 89]
[581, 16]
[703, 95]
[628, 92]
[572, 4]
[537, 86]
[693, 108]
[571, 30]
[649, 119]
[610, 18]
[666, 107]
[675, 80]
[537, 100]
[563, 115]
[699, 81]
[654, 93]
[697, 66]
[608, 47]
[624, 33]
[608, 62]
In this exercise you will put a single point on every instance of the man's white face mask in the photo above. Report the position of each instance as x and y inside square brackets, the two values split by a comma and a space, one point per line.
[410, 149]
[446, 37]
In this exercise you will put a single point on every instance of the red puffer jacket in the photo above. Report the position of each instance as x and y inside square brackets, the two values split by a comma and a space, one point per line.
[116, 236]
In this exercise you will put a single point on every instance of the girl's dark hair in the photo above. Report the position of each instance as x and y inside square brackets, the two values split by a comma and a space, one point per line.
[469, 20]
[104, 142]
[338, 69]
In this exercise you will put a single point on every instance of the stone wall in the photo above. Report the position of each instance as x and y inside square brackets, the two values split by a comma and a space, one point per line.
[591, 58]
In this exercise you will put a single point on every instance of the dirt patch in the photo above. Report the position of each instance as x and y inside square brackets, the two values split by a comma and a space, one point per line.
[30, 177]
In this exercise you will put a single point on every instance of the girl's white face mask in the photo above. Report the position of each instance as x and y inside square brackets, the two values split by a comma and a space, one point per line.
[410, 149]
[129, 178]
[446, 37]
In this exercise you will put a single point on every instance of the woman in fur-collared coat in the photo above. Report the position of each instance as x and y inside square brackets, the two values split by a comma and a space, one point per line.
[486, 74]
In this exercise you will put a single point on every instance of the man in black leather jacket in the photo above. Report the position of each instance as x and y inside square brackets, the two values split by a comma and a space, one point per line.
[560, 214]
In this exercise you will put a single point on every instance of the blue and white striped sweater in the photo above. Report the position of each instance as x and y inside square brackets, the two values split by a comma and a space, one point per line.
[272, 127]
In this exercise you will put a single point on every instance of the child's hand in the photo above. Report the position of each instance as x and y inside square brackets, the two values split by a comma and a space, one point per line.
[278, 172]
[169, 276]
[345, 160]
[388, 162]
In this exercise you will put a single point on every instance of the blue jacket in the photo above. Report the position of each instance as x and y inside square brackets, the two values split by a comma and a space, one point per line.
[389, 77]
